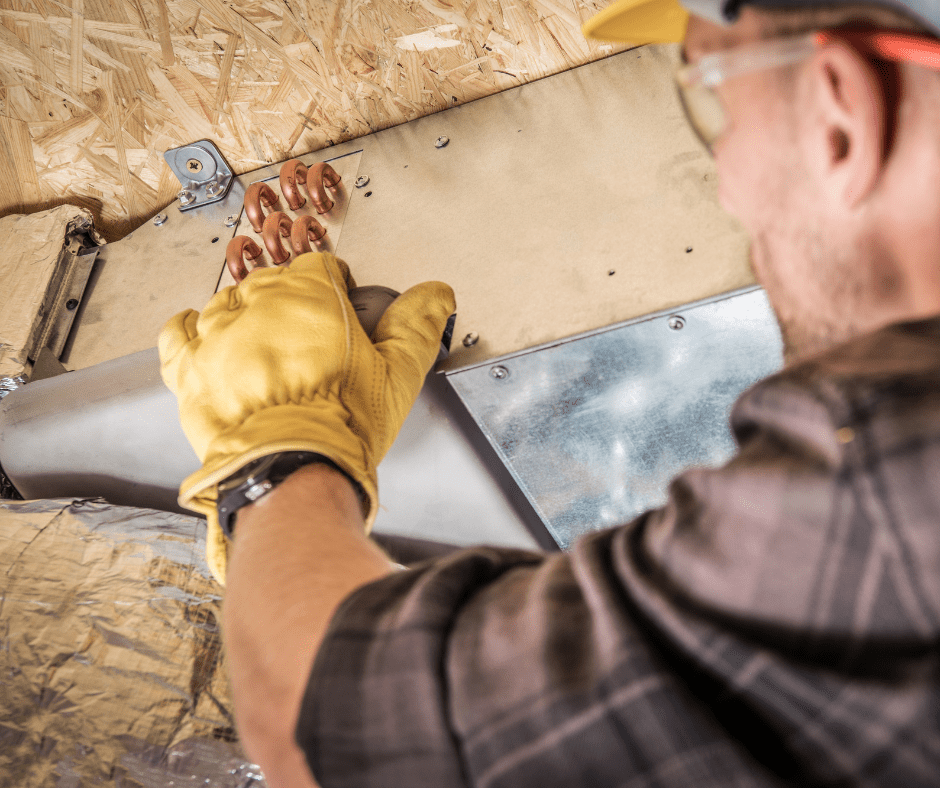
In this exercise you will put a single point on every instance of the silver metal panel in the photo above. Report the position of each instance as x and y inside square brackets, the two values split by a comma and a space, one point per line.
[540, 193]
[113, 431]
[595, 428]
[144, 279]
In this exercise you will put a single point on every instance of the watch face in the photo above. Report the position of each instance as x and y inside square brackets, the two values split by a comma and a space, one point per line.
[243, 474]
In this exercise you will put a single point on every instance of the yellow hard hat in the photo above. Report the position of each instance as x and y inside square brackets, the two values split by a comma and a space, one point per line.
[639, 22]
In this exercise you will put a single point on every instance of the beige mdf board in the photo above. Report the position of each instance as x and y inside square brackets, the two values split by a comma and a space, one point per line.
[541, 193]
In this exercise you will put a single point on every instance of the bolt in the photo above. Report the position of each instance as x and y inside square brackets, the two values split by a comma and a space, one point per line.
[361, 181]
[676, 322]
[441, 142]
[160, 218]
[231, 221]
[71, 304]
[471, 339]
[499, 373]
[186, 197]
[194, 165]
[215, 188]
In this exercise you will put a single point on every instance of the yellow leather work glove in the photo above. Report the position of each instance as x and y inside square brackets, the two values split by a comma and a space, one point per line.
[280, 363]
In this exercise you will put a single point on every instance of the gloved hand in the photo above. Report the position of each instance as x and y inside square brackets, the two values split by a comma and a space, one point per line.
[280, 363]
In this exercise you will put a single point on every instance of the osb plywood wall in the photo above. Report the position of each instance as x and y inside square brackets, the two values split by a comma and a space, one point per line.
[93, 91]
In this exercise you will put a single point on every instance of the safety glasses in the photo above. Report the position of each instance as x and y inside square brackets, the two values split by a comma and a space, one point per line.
[697, 83]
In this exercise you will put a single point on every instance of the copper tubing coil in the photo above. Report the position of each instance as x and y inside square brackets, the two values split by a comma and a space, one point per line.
[256, 195]
[240, 247]
[317, 179]
[305, 230]
[277, 224]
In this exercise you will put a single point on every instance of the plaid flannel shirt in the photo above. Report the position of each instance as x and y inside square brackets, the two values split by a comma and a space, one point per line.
[774, 623]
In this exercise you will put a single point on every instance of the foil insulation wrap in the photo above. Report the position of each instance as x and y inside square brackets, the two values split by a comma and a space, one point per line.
[111, 664]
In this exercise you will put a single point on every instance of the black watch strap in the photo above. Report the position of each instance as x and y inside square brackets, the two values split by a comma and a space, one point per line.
[258, 478]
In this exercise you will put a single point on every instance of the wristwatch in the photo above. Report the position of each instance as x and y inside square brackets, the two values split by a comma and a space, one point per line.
[258, 478]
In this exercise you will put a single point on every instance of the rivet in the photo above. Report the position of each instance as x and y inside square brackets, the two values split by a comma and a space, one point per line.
[186, 197]
[441, 142]
[676, 322]
[71, 304]
[361, 181]
[499, 373]
[611, 272]
[471, 339]
[231, 221]
[160, 218]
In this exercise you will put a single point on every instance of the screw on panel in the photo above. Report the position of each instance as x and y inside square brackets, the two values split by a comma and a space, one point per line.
[471, 339]
[194, 165]
[215, 188]
[676, 322]
[441, 142]
[361, 181]
[231, 221]
[186, 197]
[160, 218]
[499, 373]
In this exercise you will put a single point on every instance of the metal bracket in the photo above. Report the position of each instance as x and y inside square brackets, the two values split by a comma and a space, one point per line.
[202, 172]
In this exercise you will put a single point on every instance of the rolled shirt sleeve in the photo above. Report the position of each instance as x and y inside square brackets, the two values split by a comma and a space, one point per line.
[775, 623]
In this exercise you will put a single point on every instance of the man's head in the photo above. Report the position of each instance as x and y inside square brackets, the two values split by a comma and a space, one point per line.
[832, 164]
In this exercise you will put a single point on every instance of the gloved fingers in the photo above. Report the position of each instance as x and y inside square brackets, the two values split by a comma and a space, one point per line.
[337, 268]
[178, 332]
[409, 334]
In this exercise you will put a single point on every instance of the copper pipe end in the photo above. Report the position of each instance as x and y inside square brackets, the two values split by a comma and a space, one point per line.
[320, 177]
[305, 230]
[240, 247]
[256, 195]
[278, 223]
[293, 173]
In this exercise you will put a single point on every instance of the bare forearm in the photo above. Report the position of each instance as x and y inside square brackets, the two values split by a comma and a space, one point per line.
[298, 552]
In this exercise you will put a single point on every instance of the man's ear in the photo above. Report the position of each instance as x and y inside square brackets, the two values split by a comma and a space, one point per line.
[849, 122]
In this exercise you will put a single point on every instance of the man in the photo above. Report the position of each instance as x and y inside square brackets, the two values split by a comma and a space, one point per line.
[775, 623]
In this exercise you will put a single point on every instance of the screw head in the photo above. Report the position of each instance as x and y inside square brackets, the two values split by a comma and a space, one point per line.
[499, 373]
[194, 165]
[441, 142]
[362, 181]
[160, 218]
[186, 197]
[676, 322]
[214, 189]
[231, 221]
[71, 304]
[471, 339]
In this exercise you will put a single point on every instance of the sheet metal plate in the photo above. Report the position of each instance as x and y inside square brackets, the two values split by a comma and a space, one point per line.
[141, 281]
[541, 192]
[594, 429]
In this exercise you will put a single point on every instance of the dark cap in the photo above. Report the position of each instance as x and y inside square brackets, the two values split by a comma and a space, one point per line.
[664, 21]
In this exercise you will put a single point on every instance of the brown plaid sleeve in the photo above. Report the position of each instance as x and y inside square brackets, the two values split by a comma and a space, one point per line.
[775, 623]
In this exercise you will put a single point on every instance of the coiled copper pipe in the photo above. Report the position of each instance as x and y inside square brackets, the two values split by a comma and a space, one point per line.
[240, 247]
[317, 179]
[305, 230]
[276, 223]
[256, 195]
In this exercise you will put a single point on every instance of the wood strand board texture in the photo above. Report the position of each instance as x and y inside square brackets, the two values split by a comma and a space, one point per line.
[92, 92]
